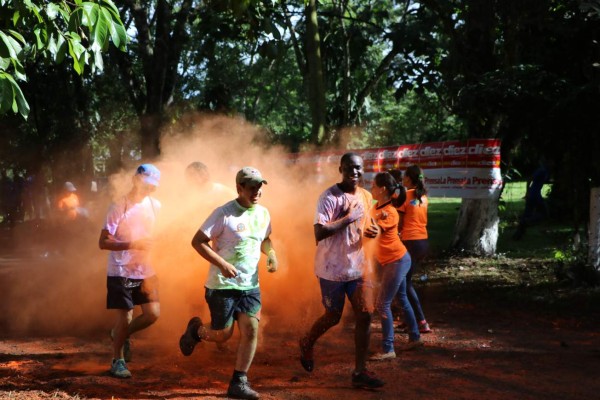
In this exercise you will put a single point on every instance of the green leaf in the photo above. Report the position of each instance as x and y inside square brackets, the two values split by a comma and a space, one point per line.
[22, 105]
[76, 50]
[6, 94]
[18, 102]
[61, 49]
[108, 4]
[117, 31]
[6, 48]
[98, 61]
[4, 63]
[19, 70]
[91, 12]
[18, 36]
[15, 17]
[53, 10]
[100, 33]
[38, 36]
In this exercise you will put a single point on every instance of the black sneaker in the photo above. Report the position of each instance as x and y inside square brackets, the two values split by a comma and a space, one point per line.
[306, 356]
[366, 380]
[240, 389]
[190, 338]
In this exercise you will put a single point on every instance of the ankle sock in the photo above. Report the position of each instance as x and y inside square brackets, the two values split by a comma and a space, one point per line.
[238, 375]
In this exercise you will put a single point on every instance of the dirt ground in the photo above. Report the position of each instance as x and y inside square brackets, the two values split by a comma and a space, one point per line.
[483, 346]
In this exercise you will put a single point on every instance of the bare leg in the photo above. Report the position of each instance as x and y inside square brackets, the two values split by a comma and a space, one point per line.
[205, 332]
[362, 304]
[248, 340]
[321, 325]
[120, 331]
[149, 315]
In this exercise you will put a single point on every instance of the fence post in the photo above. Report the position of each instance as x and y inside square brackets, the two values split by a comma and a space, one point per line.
[594, 234]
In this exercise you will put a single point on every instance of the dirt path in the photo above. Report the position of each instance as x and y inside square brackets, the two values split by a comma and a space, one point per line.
[500, 332]
[475, 352]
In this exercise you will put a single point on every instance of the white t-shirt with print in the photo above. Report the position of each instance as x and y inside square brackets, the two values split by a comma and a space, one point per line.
[236, 234]
[340, 257]
[127, 222]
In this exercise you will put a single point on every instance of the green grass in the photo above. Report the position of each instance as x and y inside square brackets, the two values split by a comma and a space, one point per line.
[540, 241]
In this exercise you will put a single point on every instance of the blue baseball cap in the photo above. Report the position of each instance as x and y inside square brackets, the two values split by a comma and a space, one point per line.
[150, 174]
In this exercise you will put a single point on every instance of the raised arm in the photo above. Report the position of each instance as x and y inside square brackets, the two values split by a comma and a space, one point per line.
[323, 231]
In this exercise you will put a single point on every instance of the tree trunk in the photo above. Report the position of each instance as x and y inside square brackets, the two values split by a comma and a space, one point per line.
[316, 84]
[476, 227]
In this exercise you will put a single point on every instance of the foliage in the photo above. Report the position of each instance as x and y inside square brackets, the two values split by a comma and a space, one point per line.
[51, 30]
[572, 265]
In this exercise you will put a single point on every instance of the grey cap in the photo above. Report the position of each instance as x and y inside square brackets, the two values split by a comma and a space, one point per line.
[69, 187]
[249, 174]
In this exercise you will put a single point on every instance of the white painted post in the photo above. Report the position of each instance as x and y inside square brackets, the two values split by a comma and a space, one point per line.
[594, 233]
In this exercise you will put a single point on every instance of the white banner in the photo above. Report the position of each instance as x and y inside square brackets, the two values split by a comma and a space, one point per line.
[469, 169]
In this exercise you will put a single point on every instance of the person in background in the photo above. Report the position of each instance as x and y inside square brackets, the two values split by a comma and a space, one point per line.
[68, 203]
[413, 232]
[395, 263]
[131, 280]
[535, 206]
[239, 231]
[196, 173]
[342, 267]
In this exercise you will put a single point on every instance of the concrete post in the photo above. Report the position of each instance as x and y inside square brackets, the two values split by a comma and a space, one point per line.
[594, 233]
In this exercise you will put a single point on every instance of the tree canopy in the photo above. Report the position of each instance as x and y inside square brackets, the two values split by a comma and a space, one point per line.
[319, 73]
[52, 30]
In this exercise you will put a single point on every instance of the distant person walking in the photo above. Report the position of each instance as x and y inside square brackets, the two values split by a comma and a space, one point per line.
[131, 279]
[68, 204]
[535, 206]
[341, 267]
[395, 263]
[239, 231]
[413, 232]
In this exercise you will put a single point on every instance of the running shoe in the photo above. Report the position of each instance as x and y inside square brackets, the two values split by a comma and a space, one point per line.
[383, 356]
[306, 356]
[190, 338]
[366, 380]
[119, 369]
[240, 389]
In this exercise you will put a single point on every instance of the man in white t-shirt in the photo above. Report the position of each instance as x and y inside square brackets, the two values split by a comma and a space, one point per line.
[342, 268]
[239, 231]
[131, 280]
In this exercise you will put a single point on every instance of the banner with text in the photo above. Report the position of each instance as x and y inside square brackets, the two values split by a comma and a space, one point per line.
[464, 169]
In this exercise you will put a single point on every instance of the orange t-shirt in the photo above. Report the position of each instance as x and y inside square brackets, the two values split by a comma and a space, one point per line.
[69, 205]
[414, 217]
[389, 246]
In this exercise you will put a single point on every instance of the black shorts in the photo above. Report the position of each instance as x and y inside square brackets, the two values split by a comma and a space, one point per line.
[225, 304]
[126, 293]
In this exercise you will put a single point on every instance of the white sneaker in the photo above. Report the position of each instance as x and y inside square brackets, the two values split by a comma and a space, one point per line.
[383, 356]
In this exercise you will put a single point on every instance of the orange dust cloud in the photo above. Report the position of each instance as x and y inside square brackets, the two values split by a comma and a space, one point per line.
[291, 296]
[60, 285]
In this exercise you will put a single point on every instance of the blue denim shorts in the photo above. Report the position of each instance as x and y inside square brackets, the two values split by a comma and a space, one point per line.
[333, 294]
[225, 304]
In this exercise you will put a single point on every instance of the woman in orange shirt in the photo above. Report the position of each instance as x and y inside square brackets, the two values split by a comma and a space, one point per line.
[394, 260]
[413, 232]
